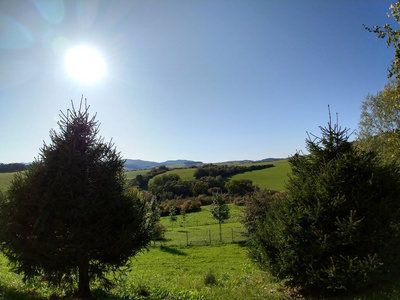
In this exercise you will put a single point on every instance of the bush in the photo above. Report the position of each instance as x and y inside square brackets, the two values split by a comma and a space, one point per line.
[240, 187]
[209, 278]
[159, 232]
[338, 229]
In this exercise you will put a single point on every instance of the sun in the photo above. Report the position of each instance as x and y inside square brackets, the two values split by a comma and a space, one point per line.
[85, 64]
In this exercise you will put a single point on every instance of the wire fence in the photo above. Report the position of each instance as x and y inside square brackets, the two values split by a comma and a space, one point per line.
[191, 237]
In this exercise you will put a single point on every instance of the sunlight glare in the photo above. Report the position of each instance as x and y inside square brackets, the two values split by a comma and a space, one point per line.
[85, 64]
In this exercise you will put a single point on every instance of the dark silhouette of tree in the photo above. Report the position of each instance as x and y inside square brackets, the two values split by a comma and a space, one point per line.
[71, 211]
[337, 230]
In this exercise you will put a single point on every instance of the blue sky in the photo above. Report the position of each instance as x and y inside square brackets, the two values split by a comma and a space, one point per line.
[201, 80]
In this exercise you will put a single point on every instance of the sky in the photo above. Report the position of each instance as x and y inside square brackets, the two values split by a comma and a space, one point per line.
[209, 81]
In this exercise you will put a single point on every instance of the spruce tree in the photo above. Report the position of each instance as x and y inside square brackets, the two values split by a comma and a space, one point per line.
[70, 217]
[338, 228]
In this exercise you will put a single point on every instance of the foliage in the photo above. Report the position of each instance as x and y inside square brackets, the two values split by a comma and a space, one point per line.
[142, 180]
[190, 205]
[257, 207]
[226, 170]
[159, 232]
[172, 216]
[338, 228]
[71, 210]
[380, 123]
[220, 211]
[170, 186]
[392, 37]
[13, 167]
[240, 187]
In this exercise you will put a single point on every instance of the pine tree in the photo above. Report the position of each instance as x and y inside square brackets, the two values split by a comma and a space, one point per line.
[71, 212]
[338, 228]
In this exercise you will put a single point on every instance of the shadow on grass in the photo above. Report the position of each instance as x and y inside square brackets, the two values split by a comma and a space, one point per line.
[8, 293]
[173, 251]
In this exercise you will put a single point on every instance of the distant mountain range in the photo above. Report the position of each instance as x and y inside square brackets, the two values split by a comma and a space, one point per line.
[138, 164]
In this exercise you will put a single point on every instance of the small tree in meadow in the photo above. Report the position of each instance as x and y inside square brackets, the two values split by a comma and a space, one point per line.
[70, 217]
[183, 214]
[220, 211]
[172, 216]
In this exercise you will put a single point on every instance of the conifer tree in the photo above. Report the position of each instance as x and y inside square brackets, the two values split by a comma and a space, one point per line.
[338, 228]
[70, 217]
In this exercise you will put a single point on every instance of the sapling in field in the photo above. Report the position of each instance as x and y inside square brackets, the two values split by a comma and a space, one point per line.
[220, 211]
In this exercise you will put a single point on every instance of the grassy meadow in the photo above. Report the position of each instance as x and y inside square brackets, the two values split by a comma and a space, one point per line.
[198, 271]
[272, 178]
[5, 179]
[201, 229]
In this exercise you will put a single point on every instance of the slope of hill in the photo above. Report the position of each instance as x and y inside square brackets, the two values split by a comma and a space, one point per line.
[272, 178]
[138, 164]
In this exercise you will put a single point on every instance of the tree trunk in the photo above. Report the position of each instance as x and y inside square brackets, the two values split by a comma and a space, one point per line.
[83, 285]
[220, 232]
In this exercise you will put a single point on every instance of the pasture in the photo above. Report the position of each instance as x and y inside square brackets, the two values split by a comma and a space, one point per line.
[272, 178]
[5, 179]
[220, 271]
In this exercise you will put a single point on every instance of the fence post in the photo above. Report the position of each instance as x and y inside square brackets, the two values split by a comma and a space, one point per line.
[209, 236]
[187, 238]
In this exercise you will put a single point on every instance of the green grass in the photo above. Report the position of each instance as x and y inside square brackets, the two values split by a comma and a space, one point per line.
[271, 178]
[172, 273]
[5, 179]
[179, 272]
[132, 174]
[185, 174]
[201, 226]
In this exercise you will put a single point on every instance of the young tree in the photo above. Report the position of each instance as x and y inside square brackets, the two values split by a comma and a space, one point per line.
[183, 214]
[172, 216]
[71, 212]
[220, 211]
[338, 228]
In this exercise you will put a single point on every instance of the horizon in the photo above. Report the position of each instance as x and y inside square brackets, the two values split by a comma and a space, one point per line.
[208, 80]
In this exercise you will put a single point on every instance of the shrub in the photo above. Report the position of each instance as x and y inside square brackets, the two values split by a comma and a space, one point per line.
[209, 278]
[338, 229]
[240, 187]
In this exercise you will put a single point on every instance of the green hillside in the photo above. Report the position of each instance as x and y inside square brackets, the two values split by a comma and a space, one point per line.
[271, 178]
[5, 179]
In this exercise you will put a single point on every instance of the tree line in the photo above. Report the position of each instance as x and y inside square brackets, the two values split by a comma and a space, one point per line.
[12, 167]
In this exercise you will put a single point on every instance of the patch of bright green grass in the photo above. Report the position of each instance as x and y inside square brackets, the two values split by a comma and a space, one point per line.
[132, 174]
[183, 270]
[185, 174]
[5, 180]
[271, 178]
[201, 228]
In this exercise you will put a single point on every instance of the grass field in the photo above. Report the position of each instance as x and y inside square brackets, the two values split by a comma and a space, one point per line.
[272, 178]
[5, 179]
[202, 227]
[221, 271]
